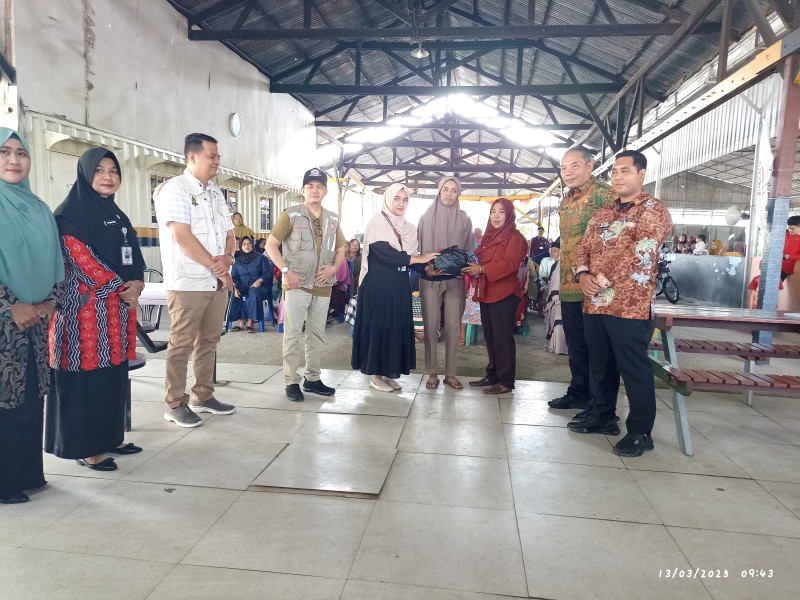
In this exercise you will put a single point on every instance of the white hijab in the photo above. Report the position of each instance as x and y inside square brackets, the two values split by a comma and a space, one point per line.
[379, 229]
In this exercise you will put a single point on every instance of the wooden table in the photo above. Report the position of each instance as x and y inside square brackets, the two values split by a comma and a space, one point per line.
[744, 320]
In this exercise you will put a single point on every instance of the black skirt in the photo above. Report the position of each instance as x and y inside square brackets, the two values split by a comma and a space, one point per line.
[383, 337]
[21, 438]
[86, 412]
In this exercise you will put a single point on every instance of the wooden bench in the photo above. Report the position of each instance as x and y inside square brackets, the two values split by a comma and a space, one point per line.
[685, 381]
[740, 349]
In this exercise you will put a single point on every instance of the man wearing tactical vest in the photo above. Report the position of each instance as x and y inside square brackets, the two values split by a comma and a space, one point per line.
[313, 250]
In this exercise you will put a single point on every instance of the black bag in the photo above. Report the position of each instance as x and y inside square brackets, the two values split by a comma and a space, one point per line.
[451, 261]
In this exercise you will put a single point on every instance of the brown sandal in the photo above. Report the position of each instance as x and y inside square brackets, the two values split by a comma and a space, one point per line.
[433, 382]
[453, 383]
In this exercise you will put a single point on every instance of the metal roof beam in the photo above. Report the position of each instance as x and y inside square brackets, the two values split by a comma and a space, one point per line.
[786, 11]
[463, 168]
[556, 89]
[687, 27]
[437, 125]
[498, 145]
[761, 22]
[676, 14]
[448, 33]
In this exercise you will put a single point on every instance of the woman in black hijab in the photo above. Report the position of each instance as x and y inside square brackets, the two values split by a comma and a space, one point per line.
[252, 276]
[93, 332]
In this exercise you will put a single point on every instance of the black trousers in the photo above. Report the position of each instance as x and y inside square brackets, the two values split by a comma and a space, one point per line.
[619, 347]
[581, 386]
[498, 319]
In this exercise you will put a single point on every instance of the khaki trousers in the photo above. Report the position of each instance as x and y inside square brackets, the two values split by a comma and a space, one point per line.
[433, 293]
[301, 307]
[196, 328]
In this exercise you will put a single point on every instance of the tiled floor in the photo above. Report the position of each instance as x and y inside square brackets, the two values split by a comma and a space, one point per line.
[416, 495]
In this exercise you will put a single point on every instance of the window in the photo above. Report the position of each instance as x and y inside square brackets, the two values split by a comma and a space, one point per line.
[265, 206]
[230, 198]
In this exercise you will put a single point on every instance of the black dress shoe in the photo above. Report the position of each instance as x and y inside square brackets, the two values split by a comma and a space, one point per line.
[15, 499]
[482, 383]
[129, 448]
[104, 465]
[566, 401]
[317, 387]
[293, 393]
[595, 425]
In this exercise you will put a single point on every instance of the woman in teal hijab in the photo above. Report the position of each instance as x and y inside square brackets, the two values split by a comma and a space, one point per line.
[31, 264]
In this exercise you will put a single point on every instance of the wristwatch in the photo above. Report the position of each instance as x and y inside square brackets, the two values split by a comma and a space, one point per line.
[285, 270]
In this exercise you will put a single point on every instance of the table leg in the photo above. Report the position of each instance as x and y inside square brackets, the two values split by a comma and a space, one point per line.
[749, 367]
[678, 401]
[218, 382]
[682, 423]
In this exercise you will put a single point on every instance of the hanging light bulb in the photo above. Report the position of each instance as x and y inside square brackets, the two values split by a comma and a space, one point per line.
[419, 51]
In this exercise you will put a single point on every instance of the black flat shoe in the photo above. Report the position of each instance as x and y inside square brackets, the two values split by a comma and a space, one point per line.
[129, 448]
[104, 465]
[15, 499]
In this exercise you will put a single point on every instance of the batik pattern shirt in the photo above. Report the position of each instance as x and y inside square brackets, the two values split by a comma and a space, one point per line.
[577, 208]
[620, 248]
[92, 328]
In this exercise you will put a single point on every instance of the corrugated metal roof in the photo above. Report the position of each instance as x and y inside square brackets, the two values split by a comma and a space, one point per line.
[593, 60]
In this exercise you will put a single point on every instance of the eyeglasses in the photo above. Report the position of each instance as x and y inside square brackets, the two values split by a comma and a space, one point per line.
[317, 227]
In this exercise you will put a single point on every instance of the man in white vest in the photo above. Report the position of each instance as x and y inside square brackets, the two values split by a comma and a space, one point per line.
[313, 249]
[195, 232]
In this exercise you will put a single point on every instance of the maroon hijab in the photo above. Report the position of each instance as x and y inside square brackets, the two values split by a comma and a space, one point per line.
[497, 235]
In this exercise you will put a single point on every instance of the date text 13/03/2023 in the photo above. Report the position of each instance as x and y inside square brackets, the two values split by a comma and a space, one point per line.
[713, 573]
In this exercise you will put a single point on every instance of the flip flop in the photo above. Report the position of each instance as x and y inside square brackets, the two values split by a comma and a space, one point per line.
[432, 383]
[236, 328]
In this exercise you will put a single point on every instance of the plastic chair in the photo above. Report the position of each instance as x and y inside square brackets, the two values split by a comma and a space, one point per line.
[146, 311]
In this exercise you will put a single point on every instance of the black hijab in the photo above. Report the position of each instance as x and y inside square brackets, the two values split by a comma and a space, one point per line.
[98, 221]
[245, 258]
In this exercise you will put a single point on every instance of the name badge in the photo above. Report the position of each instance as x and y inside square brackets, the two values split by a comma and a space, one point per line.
[127, 255]
[127, 251]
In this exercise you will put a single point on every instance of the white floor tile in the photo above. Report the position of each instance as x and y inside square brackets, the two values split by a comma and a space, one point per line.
[21, 522]
[555, 444]
[456, 548]
[287, 533]
[357, 430]
[142, 521]
[572, 558]
[31, 574]
[579, 491]
[449, 480]
[468, 438]
[737, 553]
[329, 467]
[718, 503]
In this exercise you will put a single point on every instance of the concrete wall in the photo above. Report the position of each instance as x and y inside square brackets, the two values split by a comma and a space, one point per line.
[123, 75]
[127, 67]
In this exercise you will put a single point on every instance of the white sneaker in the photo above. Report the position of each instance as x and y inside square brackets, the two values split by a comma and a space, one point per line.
[392, 383]
[379, 384]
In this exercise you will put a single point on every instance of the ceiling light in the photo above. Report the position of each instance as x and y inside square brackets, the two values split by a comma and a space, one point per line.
[419, 51]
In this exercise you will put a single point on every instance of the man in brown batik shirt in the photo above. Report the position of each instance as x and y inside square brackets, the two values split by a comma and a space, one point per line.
[616, 268]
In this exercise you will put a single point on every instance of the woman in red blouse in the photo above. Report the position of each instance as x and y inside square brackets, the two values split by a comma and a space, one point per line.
[93, 332]
[500, 254]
